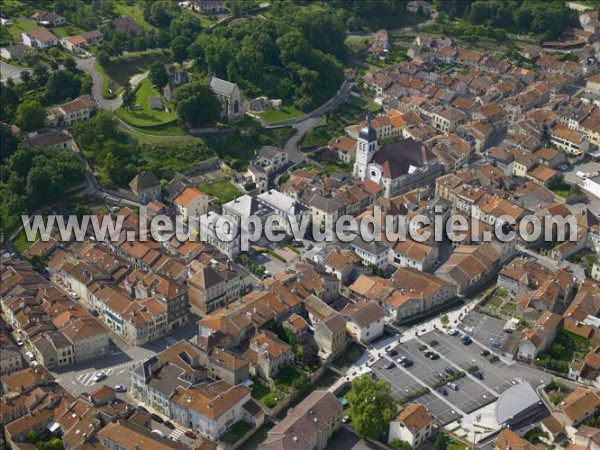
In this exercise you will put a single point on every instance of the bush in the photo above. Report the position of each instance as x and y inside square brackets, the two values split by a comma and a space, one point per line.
[269, 400]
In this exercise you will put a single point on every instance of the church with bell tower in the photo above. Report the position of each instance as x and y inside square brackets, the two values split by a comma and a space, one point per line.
[399, 166]
[366, 146]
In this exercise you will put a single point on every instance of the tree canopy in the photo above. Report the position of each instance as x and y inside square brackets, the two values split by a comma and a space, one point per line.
[196, 104]
[295, 56]
[372, 406]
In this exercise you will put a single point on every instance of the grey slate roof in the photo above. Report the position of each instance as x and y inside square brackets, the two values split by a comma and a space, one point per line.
[269, 151]
[221, 87]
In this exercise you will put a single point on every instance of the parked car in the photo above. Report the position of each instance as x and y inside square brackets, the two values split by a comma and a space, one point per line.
[20, 342]
[485, 352]
[453, 386]
[120, 388]
[169, 425]
[34, 364]
[440, 376]
[478, 374]
[443, 391]
[157, 418]
[452, 331]
[393, 352]
[389, 365]
[508, 330]
[496, 344]
[158, 433]
[30, 356]
[401, 359]
[73, 295]
[99, 376]
[297, 244]
[466, 340]
[190, 434]
[407, 363]
[449, 371]
[434, 356]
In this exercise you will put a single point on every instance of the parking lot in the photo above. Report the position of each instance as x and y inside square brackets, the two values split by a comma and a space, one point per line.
[472, 393]
[485, 329]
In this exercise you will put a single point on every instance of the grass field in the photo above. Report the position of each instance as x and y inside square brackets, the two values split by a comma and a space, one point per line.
[145, 116]
[19, 26]
[224, 190]
[124, 67]
[280, 115]
[69, 30]
[109, 87]
[134, 11]
[167, 129]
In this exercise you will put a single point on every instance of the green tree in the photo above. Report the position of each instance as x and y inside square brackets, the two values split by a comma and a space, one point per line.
[70, 64]
[158, 74]
[40, 74]
[179, 49]
[103, 59]
[31, 115]
[9, 142]
[398, 444]
[196, 104]
[371, 406]
[26, 78]
[129, 96]
[62, 86]
[9, 100]
[445, 320]
[441, 442]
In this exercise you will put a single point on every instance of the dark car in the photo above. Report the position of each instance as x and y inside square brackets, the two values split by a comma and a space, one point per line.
[496, 344]
[449, 371]
[169, 425]
[393, 352]
[157, 418]
[485, 352]
[443, 391]
[466, 340]
[440, 376]
[374, 376]
[434, 356]
[407, 363]
[297, 244]
[389, 365]
[190, 434]
[478, 374]
[427, 353]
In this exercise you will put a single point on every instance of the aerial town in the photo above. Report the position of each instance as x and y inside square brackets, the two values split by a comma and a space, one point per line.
[457, 115]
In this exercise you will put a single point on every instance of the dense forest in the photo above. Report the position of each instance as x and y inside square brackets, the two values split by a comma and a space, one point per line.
[545, 18]
[295, 56]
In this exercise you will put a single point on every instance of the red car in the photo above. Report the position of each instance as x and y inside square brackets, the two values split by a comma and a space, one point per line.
[190, 434]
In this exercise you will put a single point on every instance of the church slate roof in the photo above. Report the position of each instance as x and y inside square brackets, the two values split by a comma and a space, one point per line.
[397, 157]
[221, 87]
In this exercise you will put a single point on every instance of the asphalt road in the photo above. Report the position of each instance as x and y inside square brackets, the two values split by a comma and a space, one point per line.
[8, 71]
[87, 65]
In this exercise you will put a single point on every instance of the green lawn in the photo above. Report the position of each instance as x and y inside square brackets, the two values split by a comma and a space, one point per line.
[124, 67]
[69, 30]
[145, 116]
[134, 11]
[109, 87]
[19, 26]
[21, 243]
[168, 129]
[259, 390]
[280, 115]
[224, 190]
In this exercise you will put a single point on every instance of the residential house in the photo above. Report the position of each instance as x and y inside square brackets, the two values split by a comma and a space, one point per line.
[94, 37]
[342, 263]
[211, 408]
[271, 158]
[48, 138]
[569, 141]
[579, 406]
[48, 19]
[509, 440]
[413, 425]
[470, 267]
[307, 426]
[75, 44]
[364, 321]
[72, 112]
[539, 337]
[372, 253]
[418, 255]
[123, 434]
[39, 38]
[126, 25]
[190, 204]
[330, 336]
[344, 148]
[146, 187]
[268, 355]
[53, 349]
[297, 325]
[15, 52]
[89, 338]
[212, 287]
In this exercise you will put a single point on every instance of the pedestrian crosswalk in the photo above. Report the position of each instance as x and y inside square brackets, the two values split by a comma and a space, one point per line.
[87, 378]
[176, 434]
